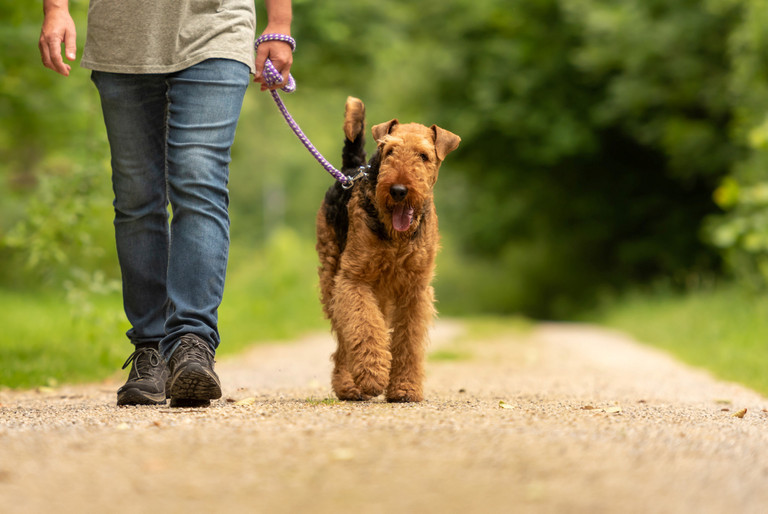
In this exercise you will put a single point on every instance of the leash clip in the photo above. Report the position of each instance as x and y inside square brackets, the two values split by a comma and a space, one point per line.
[362, 172]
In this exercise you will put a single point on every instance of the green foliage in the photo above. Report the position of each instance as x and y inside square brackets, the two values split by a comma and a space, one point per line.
[66, 228]
[594, 134]
[54, 194]
[742, 232]
[590, 162]
[45, 342]
[271, 295]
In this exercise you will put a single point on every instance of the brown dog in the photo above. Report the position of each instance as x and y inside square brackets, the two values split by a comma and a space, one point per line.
[377, 243]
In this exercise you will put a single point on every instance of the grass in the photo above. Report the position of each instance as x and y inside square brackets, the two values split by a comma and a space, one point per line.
[328, 400]
[271, 295]
[722, 329]
[452, 355]
[479, 328]
[486, 327]
[44, 342]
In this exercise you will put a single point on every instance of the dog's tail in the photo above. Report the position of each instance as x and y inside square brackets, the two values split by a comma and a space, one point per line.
[353, 155]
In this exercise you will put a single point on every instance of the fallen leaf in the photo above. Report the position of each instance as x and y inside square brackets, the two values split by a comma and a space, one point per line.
[505, 405]
[588, 407]
[246, 401]
[613, 410]
[739, 414]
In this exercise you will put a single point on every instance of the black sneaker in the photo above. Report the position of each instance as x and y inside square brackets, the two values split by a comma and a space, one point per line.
[193, 382]
[146, 382]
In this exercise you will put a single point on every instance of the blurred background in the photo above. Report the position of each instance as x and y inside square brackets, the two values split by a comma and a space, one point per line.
[613, 154]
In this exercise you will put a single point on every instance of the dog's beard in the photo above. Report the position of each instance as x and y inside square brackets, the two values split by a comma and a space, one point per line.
[402, 217]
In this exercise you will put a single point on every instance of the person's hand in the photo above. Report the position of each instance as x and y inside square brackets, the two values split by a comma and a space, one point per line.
[58, 28]
[280, 54]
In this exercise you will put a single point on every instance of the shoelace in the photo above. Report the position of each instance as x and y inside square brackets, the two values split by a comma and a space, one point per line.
[197, 349]
[143, 365]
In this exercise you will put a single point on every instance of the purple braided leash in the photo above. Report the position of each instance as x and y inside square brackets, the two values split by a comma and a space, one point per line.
[273, 77]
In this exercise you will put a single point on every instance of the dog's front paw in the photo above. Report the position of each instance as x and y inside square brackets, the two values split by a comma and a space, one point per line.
[352, 395]
[371, 373]
[370, 385]
[345, 388]
[404, 393]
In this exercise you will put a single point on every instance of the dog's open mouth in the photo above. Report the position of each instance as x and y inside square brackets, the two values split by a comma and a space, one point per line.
[402, 217]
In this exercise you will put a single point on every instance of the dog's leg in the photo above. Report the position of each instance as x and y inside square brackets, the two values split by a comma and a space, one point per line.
[360, 323]
[410, 325]
[341, 379]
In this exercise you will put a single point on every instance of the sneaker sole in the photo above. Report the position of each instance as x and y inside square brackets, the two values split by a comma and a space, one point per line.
[135, 396]
[194, 386]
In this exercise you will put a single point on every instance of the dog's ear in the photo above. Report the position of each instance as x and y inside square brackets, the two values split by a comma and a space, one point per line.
[445, 142]
[382, 129]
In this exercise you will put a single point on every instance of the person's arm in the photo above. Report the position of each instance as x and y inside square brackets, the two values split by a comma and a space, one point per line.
[58, 28]
[279, 16]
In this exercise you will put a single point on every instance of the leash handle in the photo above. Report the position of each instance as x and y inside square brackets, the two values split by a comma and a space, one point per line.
[270, 73]
[272, 77]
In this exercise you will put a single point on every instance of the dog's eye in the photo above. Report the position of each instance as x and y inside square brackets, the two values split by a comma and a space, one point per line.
[387, 152]
[424, 157]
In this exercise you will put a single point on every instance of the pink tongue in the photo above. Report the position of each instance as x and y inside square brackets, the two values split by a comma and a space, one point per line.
[402, 217]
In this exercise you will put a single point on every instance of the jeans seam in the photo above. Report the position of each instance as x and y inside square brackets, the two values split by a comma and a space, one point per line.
[169, 307]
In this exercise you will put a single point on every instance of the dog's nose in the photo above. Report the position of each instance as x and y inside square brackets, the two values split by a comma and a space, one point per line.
[398, 192]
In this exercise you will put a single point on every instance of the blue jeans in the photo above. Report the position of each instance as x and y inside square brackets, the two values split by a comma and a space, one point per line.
[170, 137]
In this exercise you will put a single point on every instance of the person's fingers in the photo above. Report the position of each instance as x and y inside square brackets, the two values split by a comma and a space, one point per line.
[285, 70]
[281, 56]
[44, 54]
[70, 44]
[54, 50]
[58, 28]
[50, 51]
[262, 53]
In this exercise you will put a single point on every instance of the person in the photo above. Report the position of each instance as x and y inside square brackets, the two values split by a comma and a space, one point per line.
[171, 76]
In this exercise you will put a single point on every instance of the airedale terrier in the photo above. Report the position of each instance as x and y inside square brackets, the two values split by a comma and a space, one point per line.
[377, 243]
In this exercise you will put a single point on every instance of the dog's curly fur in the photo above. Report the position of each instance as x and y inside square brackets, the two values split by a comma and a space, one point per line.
[377, 243]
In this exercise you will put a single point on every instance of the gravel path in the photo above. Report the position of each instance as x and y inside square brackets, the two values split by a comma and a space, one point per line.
[564, 418]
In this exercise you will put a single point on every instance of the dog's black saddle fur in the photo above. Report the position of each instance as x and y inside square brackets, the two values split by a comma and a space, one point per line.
[337, 198]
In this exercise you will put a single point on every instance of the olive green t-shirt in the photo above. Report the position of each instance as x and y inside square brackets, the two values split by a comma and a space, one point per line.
[163, 36]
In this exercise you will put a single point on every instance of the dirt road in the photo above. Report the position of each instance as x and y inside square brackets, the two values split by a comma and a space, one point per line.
[588, 422]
